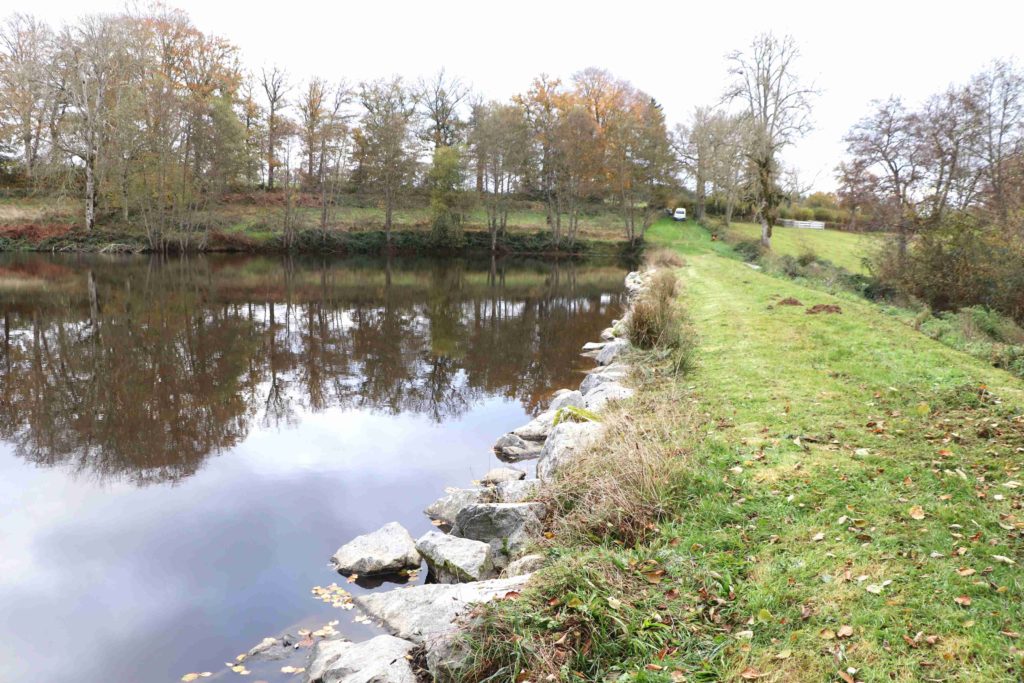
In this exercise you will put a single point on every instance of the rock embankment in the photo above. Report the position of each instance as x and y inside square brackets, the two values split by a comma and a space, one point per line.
[485, 532]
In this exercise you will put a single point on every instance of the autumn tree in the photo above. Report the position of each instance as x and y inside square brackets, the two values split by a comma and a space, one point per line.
[387, 152]
[778, 105]
[640, 162]
[499, 141]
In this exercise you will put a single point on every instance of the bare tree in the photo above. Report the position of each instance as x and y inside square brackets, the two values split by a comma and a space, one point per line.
[90, 54]
[997, 95]
[778, 105]
[441, 99]
[885, 143]
[275, 88]
[26, 53]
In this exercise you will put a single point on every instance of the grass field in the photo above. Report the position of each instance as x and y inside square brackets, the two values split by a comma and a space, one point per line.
[841, 501]
[844, 249]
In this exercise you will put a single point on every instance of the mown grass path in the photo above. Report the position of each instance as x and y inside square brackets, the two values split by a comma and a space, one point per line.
[861, 508]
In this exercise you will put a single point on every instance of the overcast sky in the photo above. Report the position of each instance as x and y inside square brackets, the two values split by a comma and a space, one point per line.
[854, 52]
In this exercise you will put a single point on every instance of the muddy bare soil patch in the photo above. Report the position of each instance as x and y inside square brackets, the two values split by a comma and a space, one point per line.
[790, 301]
[823, 308]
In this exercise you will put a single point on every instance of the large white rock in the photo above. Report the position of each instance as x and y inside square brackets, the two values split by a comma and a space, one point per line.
[600, 395]
[500, 474]
[453, 560]
[538, 428]
[516, 491]
[507, 527]
[513, 448]
[612, 351]
[428, 612]
[567, 440]
[563, 398]
[445, 508]
[595, 346]
[384, 659]
[388, 549]
[598, 376]
[608, 333]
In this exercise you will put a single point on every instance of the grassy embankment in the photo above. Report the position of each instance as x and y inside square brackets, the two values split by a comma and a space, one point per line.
[826, 497]
[844, 249]
[253, 223]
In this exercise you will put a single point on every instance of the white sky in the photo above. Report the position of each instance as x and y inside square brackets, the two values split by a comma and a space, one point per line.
[854, 51]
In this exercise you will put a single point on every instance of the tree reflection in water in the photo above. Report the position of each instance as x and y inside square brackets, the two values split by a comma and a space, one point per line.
[139, 368]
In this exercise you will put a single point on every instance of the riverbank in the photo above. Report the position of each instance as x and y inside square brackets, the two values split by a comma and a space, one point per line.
[254, 224]
[829, 495]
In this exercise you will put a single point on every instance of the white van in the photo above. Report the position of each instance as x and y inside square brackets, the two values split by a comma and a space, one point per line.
[679, 214]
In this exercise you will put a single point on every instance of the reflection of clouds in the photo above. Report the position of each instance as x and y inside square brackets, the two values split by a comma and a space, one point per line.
[130, 583]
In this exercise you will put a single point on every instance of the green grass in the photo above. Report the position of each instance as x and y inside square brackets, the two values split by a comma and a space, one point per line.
[812, 447]
[844, 249]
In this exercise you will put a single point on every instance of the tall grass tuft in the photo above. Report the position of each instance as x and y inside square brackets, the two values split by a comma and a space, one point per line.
[658, 323]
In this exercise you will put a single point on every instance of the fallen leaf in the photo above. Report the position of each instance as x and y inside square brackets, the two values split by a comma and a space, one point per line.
[818, 537]
[916, 512]
[965, 571]
[845, 632]
[963, 601]
[846, 677]
[655, 576]
[189, 677]
[292, 669]
[744, 635]
[750, 673]
[827, 634]
[873, 588]
[784, 654]
[1003, 559]
[614, 603]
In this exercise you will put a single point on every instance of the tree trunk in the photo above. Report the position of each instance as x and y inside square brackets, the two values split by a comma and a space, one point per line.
[90, 194]
[387, 216]
[766, 232]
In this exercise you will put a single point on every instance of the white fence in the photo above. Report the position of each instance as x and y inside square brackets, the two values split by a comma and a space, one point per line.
[810, 225]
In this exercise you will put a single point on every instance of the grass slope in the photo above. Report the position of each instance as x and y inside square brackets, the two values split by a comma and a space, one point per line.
[839, 500]
[844, 249]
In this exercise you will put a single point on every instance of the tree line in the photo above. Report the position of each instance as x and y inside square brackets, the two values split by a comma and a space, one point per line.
[947, 178]
[151, 121]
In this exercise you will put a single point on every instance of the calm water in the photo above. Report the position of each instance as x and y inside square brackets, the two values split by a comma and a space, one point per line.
[181, 453]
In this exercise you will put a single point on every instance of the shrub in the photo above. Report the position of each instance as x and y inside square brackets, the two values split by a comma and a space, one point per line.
[663, 258]
[749, 250]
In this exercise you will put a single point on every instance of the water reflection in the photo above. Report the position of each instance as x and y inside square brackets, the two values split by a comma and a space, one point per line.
[138, 369]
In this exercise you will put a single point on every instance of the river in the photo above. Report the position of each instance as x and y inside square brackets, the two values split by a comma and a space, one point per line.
[184, 442]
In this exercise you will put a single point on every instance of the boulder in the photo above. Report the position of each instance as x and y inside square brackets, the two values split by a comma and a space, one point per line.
[513, 448]
[563, 398]
[527, 564]
[500, 474]
[612, 351]
[608, 333]
[264, 645]
[384, 551]
[538, 428]
[516, 491]
[452, 559]
[566, 441]
[507, 527]
[384, 659]
[427, 614]
[597, 376]
[445, 508]
[325, 653]
[603, 393]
